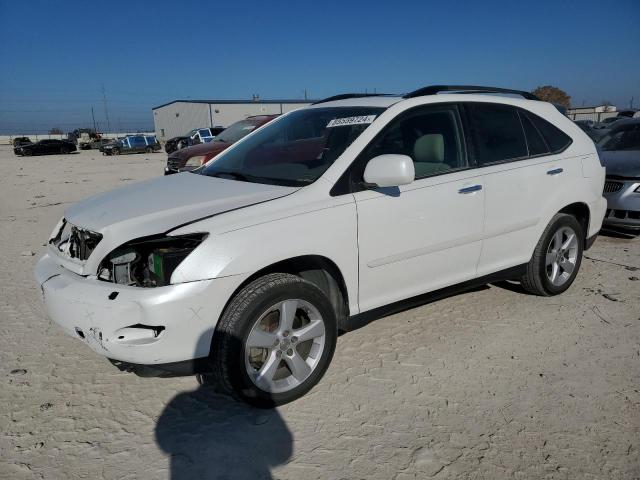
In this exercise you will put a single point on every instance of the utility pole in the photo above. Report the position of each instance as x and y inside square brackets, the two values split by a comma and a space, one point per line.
[106, 110]
[631, 104]
[93, 117]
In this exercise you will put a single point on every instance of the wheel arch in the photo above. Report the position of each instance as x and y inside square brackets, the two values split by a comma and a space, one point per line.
[317, 269]
[581, 212]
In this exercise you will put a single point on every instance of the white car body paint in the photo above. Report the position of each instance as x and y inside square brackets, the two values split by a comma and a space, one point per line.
[386, 245]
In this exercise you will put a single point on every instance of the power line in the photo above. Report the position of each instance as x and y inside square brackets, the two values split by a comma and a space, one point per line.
[106, 110]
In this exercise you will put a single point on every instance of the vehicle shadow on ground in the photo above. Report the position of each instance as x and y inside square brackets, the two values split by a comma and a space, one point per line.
[211, 436]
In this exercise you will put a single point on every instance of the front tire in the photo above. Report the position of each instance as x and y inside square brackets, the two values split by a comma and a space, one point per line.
[556, 258]
[274, 341]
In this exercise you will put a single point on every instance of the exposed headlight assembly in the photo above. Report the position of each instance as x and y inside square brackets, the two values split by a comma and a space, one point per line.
[148, 261]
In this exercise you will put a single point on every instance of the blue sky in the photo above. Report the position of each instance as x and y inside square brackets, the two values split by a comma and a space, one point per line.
[57, 55]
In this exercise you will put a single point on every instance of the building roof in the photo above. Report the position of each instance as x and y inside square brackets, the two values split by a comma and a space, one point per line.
[575, 109]
[249, 101]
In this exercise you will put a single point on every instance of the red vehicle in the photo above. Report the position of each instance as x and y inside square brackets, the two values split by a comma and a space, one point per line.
[192, 157]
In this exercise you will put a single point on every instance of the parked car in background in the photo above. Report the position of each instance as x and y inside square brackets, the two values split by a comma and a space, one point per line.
[131, 144]
[94, 144]
[607, 121]
[192, 157]
[85, 138]
[194, 137]
[21, 141]
[629, 113]
[45, 147]
[249, 267]
[591, 128]
[620, 152]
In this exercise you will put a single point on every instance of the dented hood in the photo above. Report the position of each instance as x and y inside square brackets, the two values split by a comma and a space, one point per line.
[158, 205]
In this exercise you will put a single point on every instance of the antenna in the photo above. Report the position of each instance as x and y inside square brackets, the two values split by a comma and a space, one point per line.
[106, 110]
[93, 117]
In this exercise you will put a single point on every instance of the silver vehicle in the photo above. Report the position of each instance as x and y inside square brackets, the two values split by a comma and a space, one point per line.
[620, 151]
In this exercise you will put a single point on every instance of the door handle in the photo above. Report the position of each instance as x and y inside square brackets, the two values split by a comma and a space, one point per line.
[555, 171]
[471, 189]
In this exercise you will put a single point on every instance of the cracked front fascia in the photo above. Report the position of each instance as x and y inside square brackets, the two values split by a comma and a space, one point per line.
[96, 334]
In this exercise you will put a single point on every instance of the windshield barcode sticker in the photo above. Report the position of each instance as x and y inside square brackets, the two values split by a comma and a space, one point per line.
[341, 122]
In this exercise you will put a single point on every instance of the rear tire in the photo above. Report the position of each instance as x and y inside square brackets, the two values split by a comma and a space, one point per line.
[260, 357]
[64, 150]
[556, 258]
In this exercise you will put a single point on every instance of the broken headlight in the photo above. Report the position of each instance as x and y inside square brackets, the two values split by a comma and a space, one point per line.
[149, 261]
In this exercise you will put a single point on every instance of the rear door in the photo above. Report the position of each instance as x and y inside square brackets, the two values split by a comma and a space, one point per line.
[520, 158]
[425, 235]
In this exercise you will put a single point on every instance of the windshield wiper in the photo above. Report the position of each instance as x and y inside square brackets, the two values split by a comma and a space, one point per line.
[233, 175]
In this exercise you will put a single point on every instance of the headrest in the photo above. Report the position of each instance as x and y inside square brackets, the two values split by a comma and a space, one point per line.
[429, 148]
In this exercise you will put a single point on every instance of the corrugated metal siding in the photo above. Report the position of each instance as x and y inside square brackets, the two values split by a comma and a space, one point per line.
[226, 114]
[180, 117]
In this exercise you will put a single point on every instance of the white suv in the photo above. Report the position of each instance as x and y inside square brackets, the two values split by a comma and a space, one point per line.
[250, 266]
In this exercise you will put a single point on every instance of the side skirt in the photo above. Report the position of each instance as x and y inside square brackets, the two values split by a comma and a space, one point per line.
[360, 320]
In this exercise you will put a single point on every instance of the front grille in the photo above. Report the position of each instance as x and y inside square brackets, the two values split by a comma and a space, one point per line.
[623, 214]
[75, 242]
[611, 186]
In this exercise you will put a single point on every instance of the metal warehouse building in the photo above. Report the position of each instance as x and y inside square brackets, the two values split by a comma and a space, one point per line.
[180, 116]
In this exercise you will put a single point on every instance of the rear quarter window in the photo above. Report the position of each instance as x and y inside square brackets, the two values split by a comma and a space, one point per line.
[556, 139]
[535, 143]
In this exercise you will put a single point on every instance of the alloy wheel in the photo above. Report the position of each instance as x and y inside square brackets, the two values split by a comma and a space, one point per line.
[562, 256]
[285, 345]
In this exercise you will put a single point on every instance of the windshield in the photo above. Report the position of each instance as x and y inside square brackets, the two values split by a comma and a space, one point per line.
[626, 139]
[237, 131]
[296, 149]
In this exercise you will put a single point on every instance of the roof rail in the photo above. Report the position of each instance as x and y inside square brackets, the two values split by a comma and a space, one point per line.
[434, 89]
[351, 95]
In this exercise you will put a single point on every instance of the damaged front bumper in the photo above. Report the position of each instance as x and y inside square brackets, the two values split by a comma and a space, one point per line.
[145, 326]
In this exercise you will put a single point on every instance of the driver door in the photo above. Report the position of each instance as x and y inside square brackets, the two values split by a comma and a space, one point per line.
[426, 235]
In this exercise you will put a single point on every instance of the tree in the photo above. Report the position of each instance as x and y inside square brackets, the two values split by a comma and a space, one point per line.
[549, 93]
[55, 131]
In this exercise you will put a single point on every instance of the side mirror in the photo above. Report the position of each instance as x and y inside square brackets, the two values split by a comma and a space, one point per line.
[390, 171]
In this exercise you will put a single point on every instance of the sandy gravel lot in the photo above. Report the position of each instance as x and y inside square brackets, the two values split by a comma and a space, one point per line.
[484, 385]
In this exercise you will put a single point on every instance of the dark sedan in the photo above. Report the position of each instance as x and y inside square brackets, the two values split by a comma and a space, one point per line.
[45, 147]
[18, 141]
[620, 152]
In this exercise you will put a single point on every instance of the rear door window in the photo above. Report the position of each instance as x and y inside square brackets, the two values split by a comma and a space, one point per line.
[497, 133]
